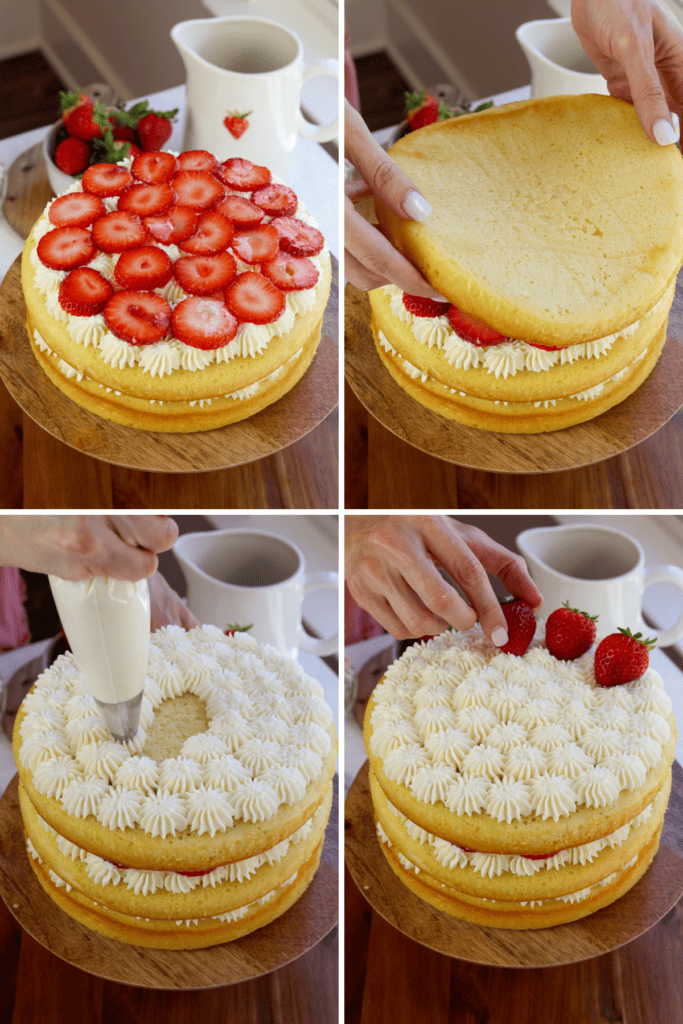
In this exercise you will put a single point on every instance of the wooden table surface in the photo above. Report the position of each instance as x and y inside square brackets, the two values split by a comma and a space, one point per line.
[39, 471]
[382, 471]
[40, 988]
[391, 978]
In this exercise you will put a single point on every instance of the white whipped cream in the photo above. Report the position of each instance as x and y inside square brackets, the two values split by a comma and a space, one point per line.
[107, 624]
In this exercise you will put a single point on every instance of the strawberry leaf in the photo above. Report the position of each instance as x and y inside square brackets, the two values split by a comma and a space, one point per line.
[414, 100]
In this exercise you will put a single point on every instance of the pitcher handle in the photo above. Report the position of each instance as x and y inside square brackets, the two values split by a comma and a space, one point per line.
[667, 574]
[323, 132]
[325, 645]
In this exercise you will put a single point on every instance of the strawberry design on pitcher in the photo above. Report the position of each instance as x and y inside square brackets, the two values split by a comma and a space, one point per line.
[237, 123]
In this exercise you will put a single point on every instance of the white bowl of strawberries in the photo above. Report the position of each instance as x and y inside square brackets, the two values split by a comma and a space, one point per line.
[90, 133]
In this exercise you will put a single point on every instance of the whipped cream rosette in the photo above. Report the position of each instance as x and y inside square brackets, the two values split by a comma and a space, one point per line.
[209, 822]
[516, 791]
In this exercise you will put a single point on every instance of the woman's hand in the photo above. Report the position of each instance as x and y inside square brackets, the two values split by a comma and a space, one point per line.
[638, 48]
[166, 607]
[78, 547]
[392, 571]
[370, 258]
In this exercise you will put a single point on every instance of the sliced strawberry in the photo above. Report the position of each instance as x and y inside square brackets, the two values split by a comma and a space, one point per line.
[76, 210]
[297, 238]
[106, 180]
[253, 299]
[277, 200]
[143, 269]
[139, 317]
[242, 175]
[471, 328]
[255, 245]
[290, 273]
[197, 189]
[418, 306]
[147, 200]
[214, 234]
[154, 168]
[204, 323]
[66, 248]
[546, 348]
[196, 160]
[118, 231]
[84, 292]
[174, 226]
[241, 211]
[204, 275]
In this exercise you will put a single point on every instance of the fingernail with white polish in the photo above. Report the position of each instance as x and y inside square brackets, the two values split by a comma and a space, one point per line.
[416, 206]
[499, 636]
[664, 132]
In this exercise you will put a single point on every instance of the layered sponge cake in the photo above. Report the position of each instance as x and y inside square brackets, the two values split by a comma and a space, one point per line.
[175, 293]
[555, 237]
[205, 826]
[514, 791]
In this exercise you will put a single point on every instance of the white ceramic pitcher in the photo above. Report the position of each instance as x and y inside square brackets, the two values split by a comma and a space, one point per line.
[599, 570]
[251, 68]
[256, 579]
[557, 60]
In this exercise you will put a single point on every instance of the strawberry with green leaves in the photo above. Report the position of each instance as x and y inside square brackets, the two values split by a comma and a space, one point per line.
[622, 657]
[569, 633]
[422, 107]
[231, 630]
[78, 115]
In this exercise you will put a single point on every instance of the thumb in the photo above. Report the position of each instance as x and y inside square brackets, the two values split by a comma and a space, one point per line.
[649, 100]
[386, 179]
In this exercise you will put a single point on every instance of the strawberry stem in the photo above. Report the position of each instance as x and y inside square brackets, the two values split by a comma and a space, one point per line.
[593, 618]
[647, 642]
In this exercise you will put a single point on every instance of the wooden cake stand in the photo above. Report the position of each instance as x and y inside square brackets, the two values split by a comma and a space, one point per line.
[267, 949]
[269, 431]
[615, 431]
[624, 920]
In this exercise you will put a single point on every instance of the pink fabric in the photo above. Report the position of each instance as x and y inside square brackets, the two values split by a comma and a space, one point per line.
[351, 91]
[13, 621]
[358, 624]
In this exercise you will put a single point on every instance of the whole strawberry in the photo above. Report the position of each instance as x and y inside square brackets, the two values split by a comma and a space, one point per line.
[78, 113]
[72, 155]
[621, 657]
[569, 633]
[422, 109]
[155, 129]
[521, 624]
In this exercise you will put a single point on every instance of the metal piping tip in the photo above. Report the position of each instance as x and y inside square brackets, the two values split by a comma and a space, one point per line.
[122, 719]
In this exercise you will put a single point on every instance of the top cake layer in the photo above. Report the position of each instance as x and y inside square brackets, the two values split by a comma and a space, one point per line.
[254, 776]
[555, 220]
[469, 742]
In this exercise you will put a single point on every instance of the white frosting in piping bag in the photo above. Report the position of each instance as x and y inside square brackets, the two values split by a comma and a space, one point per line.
[107, 624]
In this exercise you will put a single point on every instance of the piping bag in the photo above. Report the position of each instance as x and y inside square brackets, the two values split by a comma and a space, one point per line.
[107, 624]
